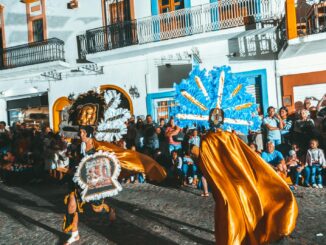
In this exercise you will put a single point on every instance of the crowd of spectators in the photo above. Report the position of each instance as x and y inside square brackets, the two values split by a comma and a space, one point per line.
[292, 144]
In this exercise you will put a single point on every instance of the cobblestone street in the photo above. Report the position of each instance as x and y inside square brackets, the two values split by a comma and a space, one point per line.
[146, 214]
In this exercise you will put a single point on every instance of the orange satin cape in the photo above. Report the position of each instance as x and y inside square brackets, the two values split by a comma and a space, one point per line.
[134, 161]
[253, 204]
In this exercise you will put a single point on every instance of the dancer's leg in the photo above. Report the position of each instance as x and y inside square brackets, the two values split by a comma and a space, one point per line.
[205, 187]
[70, 223]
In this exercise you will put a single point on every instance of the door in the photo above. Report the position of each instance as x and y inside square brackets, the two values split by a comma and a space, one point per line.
[121, 29]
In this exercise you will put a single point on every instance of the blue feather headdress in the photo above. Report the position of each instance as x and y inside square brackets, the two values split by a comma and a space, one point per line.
[201, 92]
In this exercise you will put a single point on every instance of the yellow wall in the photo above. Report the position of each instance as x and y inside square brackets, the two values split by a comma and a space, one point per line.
[58, 106]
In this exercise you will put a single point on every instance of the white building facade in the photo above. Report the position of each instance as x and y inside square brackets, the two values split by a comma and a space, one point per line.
[55, 49]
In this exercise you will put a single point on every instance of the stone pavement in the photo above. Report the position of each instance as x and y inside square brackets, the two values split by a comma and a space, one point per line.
[146, 214]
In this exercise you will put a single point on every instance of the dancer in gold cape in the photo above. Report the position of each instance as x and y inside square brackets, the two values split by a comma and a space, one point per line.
[130, 161]
[253, 204]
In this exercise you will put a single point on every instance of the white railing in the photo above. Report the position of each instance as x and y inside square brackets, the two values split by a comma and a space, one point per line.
[209, 17]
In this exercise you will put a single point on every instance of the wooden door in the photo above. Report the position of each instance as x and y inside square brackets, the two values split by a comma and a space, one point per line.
[116, 12]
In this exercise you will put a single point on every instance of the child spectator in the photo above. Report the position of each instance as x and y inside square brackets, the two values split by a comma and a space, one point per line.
[300, 154]
[295, 167]
[315, 162]
[188, 163]
[195, 139]
[176, 167]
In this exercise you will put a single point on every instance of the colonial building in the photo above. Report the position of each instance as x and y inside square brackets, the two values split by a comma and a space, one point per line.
[52, 50]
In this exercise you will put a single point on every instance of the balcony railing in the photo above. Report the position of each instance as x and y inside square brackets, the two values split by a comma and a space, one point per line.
[184, 22]
[33, 53]
[109, 37]
[209, 17]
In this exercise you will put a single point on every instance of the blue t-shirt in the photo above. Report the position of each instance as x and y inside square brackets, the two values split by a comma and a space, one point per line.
[273, 158]
[272, 134]
[187, 159]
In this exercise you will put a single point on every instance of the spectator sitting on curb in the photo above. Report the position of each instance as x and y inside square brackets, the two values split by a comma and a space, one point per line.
[275, 159]
[295, 167]
[188, 163]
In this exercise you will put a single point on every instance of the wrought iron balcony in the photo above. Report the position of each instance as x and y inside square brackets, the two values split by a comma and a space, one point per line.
[222, 14]
[109, 37]
[33, 53]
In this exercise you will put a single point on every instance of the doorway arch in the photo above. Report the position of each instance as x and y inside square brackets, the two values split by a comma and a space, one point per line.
[58, 106]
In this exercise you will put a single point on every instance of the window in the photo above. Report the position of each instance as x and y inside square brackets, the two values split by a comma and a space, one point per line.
[170, 5]
[36, 20]
[169, 74]
[162, 108]
[38, 35]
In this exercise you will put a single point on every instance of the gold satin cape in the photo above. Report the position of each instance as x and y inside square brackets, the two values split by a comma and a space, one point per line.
[134, 161]
[253, 204]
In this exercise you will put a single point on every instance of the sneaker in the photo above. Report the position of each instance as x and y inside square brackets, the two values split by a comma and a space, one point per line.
[320, 186]
[314, 186]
